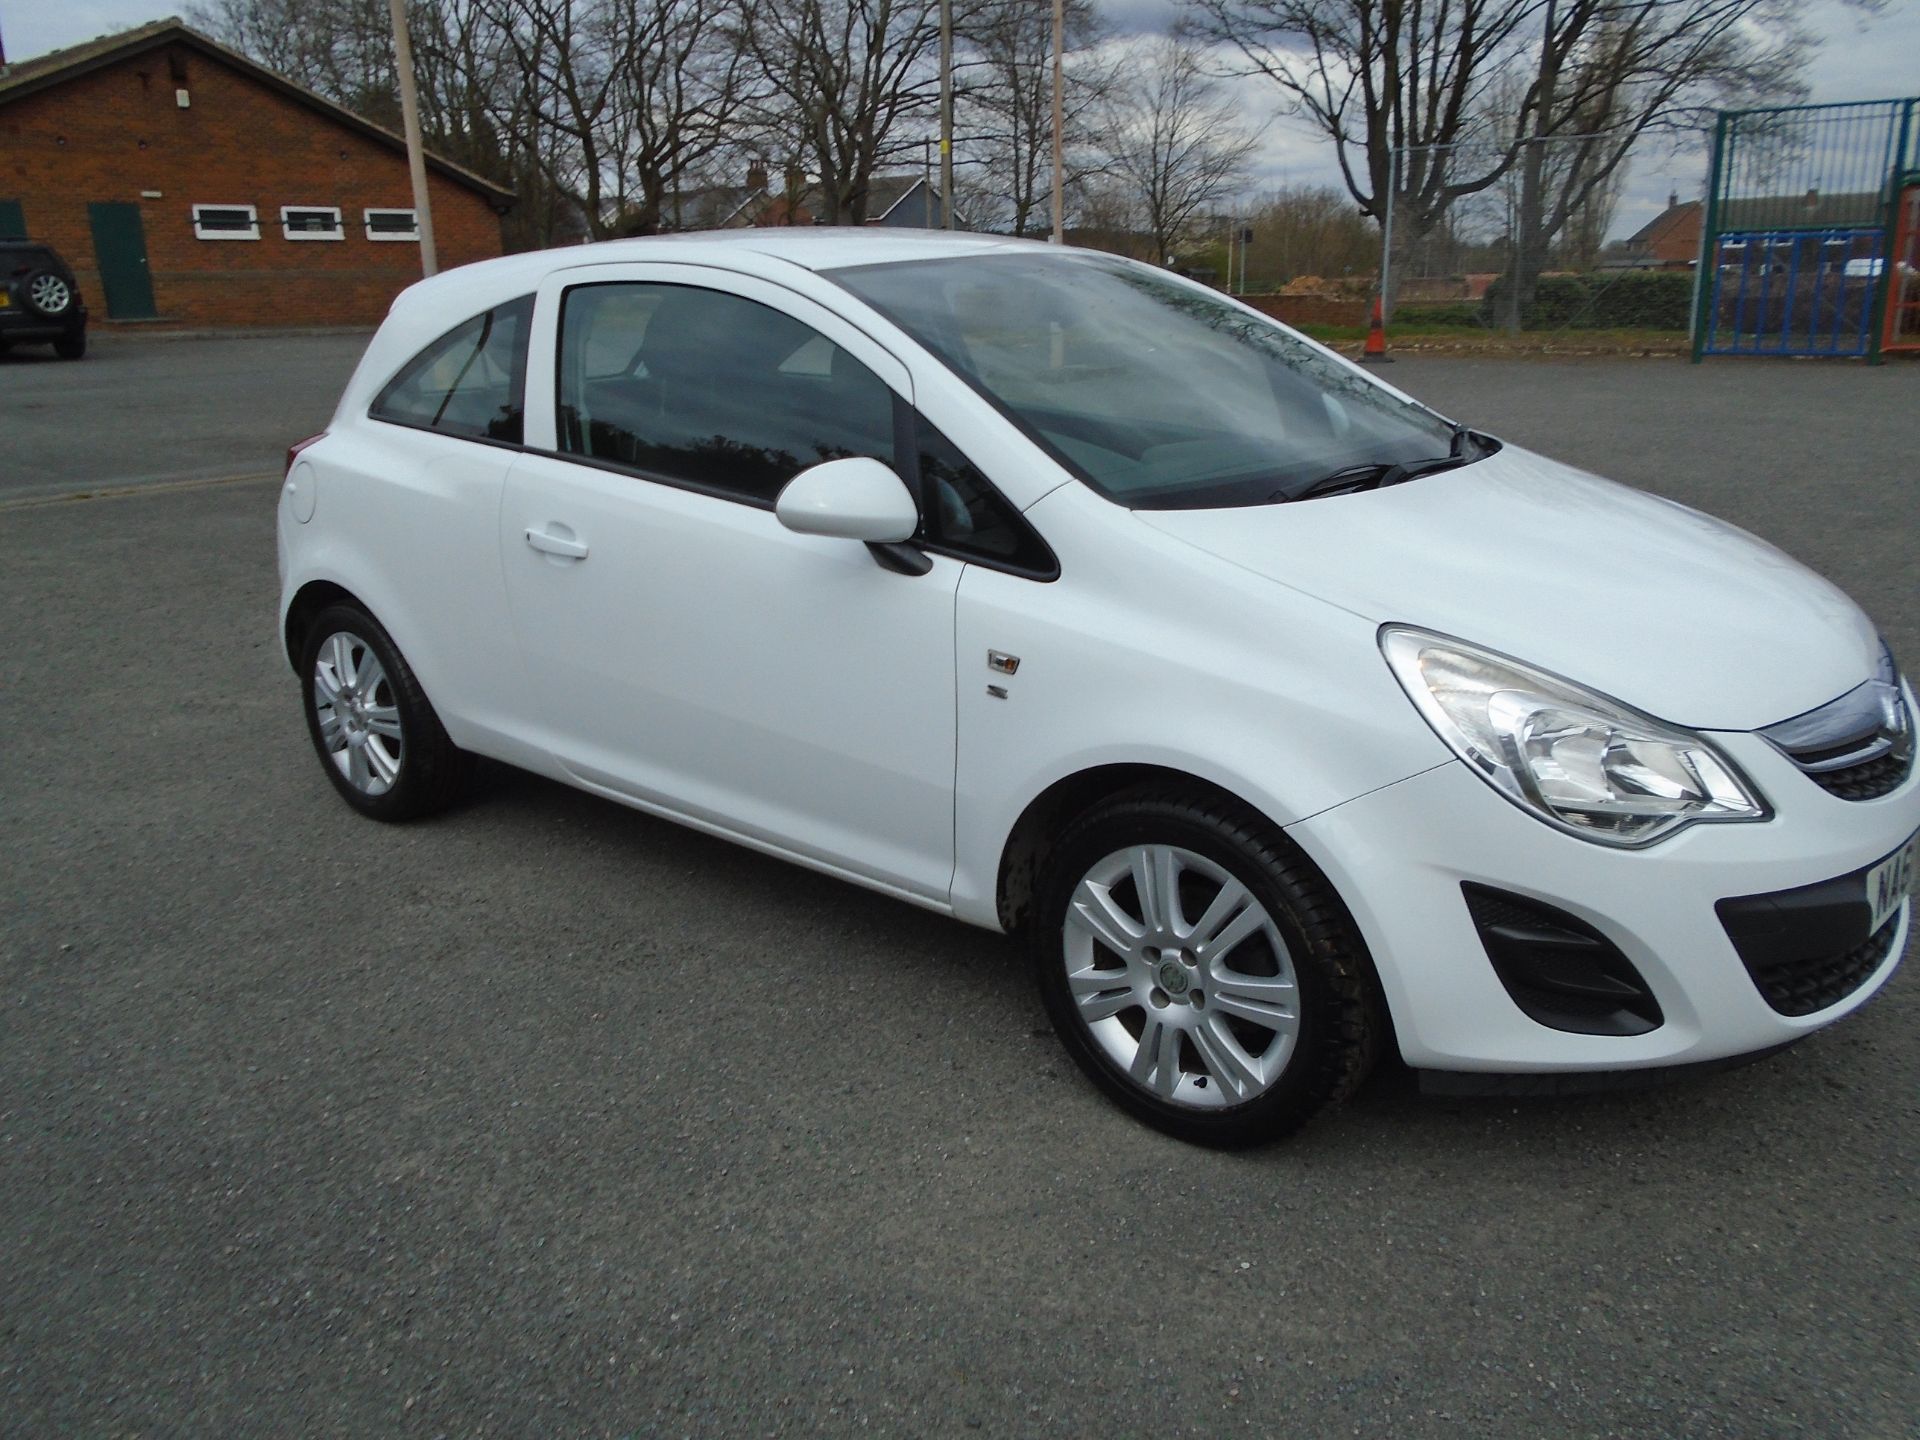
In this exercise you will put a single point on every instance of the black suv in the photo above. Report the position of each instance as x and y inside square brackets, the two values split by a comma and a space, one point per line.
[40, 300]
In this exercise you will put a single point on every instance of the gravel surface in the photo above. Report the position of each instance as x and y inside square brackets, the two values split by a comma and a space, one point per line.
[550, 1118]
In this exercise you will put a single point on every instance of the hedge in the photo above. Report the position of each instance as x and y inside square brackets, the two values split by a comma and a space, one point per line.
[1627, 299]
[1464, 312]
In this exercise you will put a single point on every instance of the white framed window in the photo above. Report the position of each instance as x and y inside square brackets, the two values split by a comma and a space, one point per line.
[392, 225]
[312, 222]
[226, 222]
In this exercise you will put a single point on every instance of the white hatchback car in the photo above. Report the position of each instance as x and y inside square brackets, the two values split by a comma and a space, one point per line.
[1286, 719]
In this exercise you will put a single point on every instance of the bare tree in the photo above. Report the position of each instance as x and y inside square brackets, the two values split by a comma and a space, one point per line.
[1309, 230]
[1376, 76]
[846, 79]
[644, 91]
[1107, 217]
[1611, 72]
[1177, 147]
[1435, 100]
[342, 50]
[1006, 113]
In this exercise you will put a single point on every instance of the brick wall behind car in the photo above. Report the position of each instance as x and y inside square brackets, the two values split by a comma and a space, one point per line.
[115, 132]
[1310, 309]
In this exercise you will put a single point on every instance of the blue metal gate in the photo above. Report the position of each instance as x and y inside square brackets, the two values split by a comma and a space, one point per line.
[1794, 254]
[1795, 292]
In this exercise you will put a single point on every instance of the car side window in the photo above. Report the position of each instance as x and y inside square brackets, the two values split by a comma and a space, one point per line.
[965, 514]
[470, 382]
[703, 388]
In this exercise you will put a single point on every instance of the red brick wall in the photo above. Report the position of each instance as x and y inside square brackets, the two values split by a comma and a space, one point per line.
[113, 133]
[1310, 309]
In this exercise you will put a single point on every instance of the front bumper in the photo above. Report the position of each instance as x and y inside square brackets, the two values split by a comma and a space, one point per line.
[1400, 855]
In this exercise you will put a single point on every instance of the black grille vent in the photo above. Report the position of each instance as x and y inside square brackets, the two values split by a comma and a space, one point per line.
[1867, 781]
[1802, 986]
[1559, 970]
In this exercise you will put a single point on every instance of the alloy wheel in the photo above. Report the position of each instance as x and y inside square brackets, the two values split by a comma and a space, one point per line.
[1180, 976]
[49, 294]
[358, 715]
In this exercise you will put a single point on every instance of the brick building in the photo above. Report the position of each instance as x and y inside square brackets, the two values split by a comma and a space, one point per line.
[186, 185]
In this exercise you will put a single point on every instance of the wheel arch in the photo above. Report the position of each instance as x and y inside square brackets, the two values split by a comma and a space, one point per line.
[1022, 854]
[1024, 849]
[308, 601]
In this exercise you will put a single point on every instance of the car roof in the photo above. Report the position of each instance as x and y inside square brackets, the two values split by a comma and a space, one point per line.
[465, 290]
[825, 247]
[819, 247]
[813, 247]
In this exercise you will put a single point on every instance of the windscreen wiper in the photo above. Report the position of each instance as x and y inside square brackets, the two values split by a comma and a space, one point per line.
[1377, 474]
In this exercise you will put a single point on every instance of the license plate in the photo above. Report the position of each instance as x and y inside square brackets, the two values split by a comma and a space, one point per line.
[5, 299]
[1891, 881]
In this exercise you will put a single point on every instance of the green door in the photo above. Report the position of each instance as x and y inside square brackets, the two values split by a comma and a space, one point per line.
[120, 248]
[13, 222]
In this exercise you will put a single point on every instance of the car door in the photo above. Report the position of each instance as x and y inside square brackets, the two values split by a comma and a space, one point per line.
[686, 651]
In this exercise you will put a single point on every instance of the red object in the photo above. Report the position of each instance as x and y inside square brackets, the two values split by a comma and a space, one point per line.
[293, 450]
[1903, 286]
[1375, 352]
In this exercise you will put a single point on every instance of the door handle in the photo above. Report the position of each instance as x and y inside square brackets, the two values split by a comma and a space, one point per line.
[562, 545]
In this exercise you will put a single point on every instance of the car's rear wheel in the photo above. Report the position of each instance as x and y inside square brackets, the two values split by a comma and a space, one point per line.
[377, 736]
[1200, 970]
[49, 294]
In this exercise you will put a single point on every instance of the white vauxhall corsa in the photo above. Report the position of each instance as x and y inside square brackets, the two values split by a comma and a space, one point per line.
[1285, 719]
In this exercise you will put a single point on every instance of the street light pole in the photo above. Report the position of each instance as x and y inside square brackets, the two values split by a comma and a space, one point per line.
[410, 118]
[946, 112]
[1059, 236]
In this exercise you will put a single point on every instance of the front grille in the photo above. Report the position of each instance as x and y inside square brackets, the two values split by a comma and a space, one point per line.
[1857, 747]
[1802, 986]
[1866, 781]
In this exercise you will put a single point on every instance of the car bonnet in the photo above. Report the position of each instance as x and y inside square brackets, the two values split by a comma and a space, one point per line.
[1684, 616]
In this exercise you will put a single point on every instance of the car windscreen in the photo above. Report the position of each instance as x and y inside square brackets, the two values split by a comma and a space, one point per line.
[1158, 394]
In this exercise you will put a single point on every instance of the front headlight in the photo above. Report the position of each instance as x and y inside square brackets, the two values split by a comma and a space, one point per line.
[1577, 759]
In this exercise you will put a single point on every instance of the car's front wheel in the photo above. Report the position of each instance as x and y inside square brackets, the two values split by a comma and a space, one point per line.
[376, 734]
[1200, 970]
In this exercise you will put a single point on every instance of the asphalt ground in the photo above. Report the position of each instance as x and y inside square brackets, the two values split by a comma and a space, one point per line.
[550, 1118]
[143, 410]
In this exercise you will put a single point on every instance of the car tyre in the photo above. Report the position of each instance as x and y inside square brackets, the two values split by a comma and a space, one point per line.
[376, 734]
[71, 347]
[1293, 1020]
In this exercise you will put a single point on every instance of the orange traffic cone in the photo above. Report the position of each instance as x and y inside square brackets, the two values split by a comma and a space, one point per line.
[1375, 352]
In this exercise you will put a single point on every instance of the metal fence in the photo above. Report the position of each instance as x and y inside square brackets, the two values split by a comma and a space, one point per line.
[1529, 251]
[1804, 239]
[1802, 251]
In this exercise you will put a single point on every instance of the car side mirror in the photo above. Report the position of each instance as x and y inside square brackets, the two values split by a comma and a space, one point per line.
[852, 499]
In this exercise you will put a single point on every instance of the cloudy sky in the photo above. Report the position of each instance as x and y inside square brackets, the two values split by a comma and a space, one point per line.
[1862, 57]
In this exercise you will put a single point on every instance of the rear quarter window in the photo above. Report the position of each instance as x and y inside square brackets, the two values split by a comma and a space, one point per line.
[471, 382]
